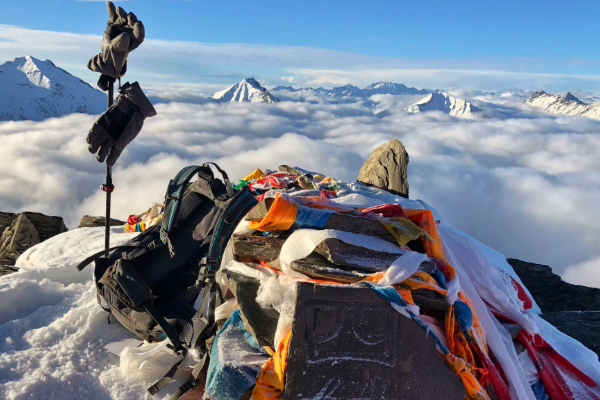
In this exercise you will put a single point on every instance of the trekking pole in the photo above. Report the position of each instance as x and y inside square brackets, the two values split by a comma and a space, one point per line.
[108, 187]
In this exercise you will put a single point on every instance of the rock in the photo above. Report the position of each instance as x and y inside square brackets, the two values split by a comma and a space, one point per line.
[334, 251]
[89, 221]
[290, 169]
[348, 343]
[47, 226]
[582, 326]
[257, 248]
[261, 322]
[387, 168]
[18, 232]
[5, 220]
[317, 267]
[342, 253]
[7, 269]
[553, 294]
[18, 237]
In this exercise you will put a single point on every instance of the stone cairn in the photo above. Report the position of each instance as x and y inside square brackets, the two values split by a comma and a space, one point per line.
[341, 322]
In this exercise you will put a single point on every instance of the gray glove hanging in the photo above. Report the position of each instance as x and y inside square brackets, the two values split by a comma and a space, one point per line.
[120, 124]
[123, 34]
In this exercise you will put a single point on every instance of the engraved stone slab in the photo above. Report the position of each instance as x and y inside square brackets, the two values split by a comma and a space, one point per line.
[348, 343]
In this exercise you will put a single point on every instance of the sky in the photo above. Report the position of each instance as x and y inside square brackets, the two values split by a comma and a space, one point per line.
[486, 45]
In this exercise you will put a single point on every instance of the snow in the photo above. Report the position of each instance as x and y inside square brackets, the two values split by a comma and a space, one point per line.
[568, 105]
[353, 91]
[52, 331]
[248, 90]
[440, 101]
[35, 90]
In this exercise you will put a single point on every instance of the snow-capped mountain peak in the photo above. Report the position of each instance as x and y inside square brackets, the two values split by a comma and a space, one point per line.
[440, 101]
[569, 96]
[248, 90]
[353, 91]
[568, 105]
[392, 88]
[35, 90]
[346, 90]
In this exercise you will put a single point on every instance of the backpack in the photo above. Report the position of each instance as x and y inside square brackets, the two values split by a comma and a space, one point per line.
[161, 284]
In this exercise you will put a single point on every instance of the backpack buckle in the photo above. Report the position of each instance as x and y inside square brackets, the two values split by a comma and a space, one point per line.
[154, 244]
[212, 261]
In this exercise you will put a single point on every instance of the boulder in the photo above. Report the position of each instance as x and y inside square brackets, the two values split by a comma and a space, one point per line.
[89, 221]
[46, 225]
[18, 232]
[20, 236]
[387, 168]
[582, 326]
[5, 220]
[553, 294]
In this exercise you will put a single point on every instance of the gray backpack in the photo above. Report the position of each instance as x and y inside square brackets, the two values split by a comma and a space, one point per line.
[151, 284]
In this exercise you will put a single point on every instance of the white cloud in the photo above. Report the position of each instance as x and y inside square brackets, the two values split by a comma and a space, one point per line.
[529, 187]
[586, 273]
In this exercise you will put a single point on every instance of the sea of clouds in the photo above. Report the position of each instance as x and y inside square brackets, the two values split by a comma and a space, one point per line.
[523, 183]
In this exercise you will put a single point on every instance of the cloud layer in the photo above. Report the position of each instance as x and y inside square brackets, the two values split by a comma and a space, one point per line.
[528, 187]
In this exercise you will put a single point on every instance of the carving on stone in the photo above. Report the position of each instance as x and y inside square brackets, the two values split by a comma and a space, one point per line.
[352, 331]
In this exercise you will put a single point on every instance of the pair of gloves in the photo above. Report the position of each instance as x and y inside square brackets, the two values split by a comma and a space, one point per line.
[122, 122]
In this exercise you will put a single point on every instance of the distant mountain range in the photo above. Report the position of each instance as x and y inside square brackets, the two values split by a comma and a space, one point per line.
[248, 90]
[354, 91]
[568, 105]
[440, 101]
[35, 90]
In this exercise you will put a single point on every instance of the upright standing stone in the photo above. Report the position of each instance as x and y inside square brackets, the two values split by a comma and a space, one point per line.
[348, 343]
[387, 168]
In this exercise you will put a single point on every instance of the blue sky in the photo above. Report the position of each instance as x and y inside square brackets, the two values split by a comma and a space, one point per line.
[428, 43]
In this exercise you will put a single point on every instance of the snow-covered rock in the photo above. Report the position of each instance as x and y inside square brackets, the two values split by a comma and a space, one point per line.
[347, 90]
[247, 90]
[568, 105]
[392, 88]
[440, 101]
[354, 91]
[35, 90]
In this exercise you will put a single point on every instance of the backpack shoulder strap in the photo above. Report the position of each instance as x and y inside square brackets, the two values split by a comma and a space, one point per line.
[175, 192]
[235, 211]
[99, 254]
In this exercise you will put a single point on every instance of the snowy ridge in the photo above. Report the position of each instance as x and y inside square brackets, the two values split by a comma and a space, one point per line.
[248, 90]
[568, 105]
[35, 90]
[440, 101]
[354, 91]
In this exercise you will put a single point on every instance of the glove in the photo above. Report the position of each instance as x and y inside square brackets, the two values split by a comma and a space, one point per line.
[120, 124]
[123, 34]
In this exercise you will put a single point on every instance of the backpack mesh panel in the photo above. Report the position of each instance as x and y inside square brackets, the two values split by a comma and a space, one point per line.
[184, 322]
